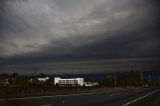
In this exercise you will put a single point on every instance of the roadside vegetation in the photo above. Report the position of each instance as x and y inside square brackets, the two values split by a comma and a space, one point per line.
[14, 85]
[130, 79]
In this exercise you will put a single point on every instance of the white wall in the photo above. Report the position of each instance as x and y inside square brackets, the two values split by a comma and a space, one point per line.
[80, 81]
[56, 79]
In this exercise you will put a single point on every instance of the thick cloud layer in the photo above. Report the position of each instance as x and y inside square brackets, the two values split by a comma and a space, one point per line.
[36, 31]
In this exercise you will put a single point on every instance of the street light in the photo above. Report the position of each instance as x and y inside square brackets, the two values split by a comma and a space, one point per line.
[115, 80]
[141, 78]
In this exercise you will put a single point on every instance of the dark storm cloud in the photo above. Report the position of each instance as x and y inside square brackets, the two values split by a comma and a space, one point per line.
[89, 66]
[55, 30]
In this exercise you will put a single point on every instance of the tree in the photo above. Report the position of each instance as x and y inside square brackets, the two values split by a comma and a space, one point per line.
[133, 78]
[50, 82]
[4, 76]
[108, 81]
[42, 75]
[14, 76]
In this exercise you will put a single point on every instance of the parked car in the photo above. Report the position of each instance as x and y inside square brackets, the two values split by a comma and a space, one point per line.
[145, 86]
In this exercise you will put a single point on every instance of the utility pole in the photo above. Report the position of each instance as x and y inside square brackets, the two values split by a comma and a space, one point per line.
[115, 80]
[150, 81]
[141, 78]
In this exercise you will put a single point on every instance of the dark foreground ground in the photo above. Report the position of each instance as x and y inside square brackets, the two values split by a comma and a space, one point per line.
[114, 97]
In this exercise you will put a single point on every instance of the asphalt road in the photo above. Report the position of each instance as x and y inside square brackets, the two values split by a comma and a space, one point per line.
[114, 97]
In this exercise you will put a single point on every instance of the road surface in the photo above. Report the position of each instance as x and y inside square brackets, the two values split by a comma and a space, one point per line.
[114, 97]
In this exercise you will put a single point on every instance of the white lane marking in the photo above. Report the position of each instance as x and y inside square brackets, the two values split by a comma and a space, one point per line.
[128, 103]
[114, 94]
[61, 95]
[46, 105]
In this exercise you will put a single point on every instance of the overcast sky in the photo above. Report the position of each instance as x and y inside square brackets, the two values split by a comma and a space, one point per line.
[76, 32]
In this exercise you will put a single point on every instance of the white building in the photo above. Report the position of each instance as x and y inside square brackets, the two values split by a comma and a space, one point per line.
[68, 82]
[43, 79]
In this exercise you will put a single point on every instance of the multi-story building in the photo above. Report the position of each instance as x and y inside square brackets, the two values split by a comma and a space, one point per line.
[69, 82]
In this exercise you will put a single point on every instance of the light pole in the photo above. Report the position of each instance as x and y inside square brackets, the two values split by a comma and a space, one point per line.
[115, 80]
[141, 78]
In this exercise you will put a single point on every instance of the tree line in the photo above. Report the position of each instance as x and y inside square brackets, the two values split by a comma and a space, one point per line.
[132, 78]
